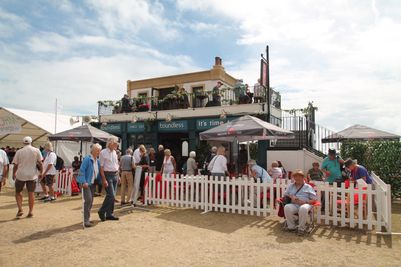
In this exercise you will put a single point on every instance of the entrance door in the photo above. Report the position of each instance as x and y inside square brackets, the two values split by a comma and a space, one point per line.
[173, 141]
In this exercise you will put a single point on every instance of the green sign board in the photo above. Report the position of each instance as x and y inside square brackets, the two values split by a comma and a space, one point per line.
[206, 124]
[173, 126]
[137, 127]
[111, 128]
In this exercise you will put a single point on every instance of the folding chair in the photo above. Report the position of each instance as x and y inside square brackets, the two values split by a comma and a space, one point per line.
[310, 225]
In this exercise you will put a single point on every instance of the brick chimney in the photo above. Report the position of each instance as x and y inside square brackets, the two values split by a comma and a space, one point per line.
[218, 63]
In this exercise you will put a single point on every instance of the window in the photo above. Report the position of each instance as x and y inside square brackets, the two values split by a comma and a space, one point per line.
[165, 91]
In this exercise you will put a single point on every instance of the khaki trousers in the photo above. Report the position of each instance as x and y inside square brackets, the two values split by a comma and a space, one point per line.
[127, 179]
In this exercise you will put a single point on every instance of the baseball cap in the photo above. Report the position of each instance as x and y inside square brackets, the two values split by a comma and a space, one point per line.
[332, 151]
[27, 140]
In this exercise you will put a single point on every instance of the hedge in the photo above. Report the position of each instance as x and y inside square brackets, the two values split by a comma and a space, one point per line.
[382, 157]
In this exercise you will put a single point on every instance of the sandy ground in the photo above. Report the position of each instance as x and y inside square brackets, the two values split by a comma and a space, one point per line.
[167, 236]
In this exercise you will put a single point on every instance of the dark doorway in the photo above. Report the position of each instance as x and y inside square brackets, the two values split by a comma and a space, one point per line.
[165, 91]
[173, 141]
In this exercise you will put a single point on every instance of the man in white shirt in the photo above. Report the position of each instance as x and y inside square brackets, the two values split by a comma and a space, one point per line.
[137, 155]
[3, 167]
[49, 173]
[27, 165]
[109, 172]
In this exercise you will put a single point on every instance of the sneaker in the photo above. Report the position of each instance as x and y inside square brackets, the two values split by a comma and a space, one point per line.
[43, 198]
[52, 199]
[48, 199]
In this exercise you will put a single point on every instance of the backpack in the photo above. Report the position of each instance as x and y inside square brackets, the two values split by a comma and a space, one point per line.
[59, 163]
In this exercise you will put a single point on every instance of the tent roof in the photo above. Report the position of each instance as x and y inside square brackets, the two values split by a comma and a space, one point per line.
[246, 128]
[36, 124]
[361, 133]
[82, 133]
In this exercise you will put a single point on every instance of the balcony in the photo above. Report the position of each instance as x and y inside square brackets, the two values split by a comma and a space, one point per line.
[178, 104]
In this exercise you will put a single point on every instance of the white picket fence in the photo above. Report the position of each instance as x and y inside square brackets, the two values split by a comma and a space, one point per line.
[341, 206]
[63, 182]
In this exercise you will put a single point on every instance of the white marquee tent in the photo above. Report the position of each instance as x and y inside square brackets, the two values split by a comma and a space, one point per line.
[15, 124]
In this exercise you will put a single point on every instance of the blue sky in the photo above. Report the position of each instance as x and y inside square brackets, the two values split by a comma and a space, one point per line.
[343, 55]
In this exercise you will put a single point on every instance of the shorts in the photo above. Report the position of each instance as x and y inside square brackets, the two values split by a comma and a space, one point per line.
[48, 180]
[30, 186]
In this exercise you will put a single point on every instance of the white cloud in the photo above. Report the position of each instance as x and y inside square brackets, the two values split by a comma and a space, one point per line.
[78, 83]
[119, 16]
[343, 55]
[11, 24]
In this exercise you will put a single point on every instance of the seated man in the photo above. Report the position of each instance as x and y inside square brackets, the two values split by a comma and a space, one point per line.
[302, 196]
[315, 174]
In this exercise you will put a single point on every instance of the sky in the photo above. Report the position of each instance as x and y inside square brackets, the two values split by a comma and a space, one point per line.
[343, 55]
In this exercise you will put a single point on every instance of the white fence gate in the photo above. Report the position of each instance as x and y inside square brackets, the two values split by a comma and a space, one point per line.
[368, 206]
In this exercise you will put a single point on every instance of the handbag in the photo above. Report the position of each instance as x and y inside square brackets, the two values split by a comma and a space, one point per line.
[286, 200]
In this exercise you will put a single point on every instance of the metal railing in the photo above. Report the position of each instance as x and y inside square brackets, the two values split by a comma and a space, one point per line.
[308, 134]
[199, 99]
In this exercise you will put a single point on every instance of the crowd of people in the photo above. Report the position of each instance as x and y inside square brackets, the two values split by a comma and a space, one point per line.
[106, 167]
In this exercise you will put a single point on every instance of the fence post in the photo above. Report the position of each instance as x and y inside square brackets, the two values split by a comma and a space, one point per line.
[388, 228]
[204, 193]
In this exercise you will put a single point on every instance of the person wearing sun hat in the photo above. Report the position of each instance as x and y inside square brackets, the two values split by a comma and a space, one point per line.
[27, 167]
[302, 197]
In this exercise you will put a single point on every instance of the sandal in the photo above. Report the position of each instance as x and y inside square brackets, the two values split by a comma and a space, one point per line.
[19, 213]
[30, 215]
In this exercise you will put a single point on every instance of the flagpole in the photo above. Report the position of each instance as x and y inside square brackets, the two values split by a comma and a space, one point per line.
[55, 118]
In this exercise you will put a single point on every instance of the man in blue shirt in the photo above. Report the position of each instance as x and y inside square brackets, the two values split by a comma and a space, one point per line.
[258, 172]
[331, 166]
[358, 171]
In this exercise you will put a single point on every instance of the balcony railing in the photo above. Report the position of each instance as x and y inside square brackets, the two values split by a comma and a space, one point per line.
[227, 96]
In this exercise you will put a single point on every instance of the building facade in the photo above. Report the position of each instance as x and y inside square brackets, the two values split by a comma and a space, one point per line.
[178, 127]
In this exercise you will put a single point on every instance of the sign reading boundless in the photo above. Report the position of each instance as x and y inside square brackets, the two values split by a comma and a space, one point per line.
[173, 126]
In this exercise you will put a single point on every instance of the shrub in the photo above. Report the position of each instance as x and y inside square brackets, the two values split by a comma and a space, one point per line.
[382, 157]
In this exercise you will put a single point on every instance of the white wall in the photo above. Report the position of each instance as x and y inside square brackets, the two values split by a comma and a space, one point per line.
[293, 159]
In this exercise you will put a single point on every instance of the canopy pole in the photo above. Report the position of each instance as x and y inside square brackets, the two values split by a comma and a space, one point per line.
[247, 149]
[55, 118]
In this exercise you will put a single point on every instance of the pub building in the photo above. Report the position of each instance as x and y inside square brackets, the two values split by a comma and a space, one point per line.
[161, 112]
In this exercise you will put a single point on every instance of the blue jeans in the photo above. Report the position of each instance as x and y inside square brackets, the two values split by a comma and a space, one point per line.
[108, 203]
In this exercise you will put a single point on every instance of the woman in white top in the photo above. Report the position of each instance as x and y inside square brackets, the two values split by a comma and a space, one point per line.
[169, 164]
[275, 172]
[218, 165]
